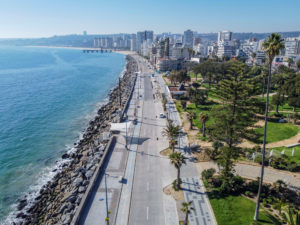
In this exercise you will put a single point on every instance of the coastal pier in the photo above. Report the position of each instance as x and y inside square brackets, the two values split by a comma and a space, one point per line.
[101, 50]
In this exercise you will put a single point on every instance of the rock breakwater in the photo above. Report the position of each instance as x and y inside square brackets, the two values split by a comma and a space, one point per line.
[58, 200]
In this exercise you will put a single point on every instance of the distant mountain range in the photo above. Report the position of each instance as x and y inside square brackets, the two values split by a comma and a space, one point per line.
[87, 40]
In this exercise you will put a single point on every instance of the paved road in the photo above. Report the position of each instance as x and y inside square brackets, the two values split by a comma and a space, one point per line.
[147, 196]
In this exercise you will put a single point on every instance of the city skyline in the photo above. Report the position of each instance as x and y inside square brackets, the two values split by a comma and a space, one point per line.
[44, 19]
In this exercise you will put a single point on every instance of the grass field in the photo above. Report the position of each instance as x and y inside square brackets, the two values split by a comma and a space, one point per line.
[277, 132]
[288, 152]
[236, 210]
[202, 108]
[284, 107]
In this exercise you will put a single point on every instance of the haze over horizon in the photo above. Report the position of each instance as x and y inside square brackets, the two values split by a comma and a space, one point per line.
[33, 18]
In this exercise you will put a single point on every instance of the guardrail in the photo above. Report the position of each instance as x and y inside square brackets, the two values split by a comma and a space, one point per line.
[128, 99]
[91, 186]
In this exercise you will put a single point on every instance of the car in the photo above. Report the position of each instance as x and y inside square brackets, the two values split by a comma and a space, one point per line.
[161, 115]
[120, 179]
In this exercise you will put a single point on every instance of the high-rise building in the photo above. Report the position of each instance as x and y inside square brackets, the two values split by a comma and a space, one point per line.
[142, 36]
[133, 44]
[197, 40]
[225, 45]
[188, 38]
[224, 36]
[292, 46]
[167, 47]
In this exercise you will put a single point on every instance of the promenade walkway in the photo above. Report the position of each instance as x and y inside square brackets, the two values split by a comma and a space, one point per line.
[188, 171]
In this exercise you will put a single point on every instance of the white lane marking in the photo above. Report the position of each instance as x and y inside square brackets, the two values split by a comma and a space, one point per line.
[147, 213]
[147, 186]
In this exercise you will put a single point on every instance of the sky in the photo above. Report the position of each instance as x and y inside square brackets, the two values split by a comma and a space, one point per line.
[45, 18]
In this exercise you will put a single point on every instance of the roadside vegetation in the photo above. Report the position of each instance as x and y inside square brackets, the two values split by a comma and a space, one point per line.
[228, 103]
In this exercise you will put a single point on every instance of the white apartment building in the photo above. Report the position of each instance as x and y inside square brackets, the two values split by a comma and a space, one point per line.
[225, 45]
[292, 46]
[201, 49]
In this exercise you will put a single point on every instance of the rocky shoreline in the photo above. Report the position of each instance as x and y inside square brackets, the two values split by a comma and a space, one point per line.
[59, 199]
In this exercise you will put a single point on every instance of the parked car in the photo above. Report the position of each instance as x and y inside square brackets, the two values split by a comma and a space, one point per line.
[162, 115]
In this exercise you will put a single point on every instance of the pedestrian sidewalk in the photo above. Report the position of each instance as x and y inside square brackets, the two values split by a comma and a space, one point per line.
[194, 191]
[126, 192]
[188, 171]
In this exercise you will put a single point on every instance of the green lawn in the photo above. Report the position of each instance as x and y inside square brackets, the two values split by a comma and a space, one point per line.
[277, 132]
[288, 152]
[236, 210]
[202, 108]
[284, 107]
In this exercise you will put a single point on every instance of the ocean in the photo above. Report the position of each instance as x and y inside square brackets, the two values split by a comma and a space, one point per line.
[47, 97]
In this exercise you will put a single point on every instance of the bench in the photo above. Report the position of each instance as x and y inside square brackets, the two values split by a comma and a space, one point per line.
[292, 145]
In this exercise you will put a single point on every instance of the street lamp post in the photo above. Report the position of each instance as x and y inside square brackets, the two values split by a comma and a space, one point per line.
[106, 198]
[126, 130]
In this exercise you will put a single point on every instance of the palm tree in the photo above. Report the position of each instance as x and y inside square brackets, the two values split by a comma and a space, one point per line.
[253, 55]
[272, 47]
[187, 209]
[172, 132]
[191, 115]
[177, 159]
[292, 216]
[203, 117]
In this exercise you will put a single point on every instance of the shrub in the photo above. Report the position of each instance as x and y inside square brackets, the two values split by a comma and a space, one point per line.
[247, 193]
[216, 182]
[175, 184]
[253, 186]
[258, 159]
[208, 174]
[225, 187]
[238, 183]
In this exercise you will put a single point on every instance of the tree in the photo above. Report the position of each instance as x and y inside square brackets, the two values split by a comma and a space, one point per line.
[298, 64]
[187, 209]
[172, 132]
[196, 85]
[290, 62]
[292, 216]
[277, 100]
[203, 117]
[272, 46]
[198, 96]
[253, 58]
[292, 88]
[177, 159]
[183, 104]
[232, 119]
[191, 115]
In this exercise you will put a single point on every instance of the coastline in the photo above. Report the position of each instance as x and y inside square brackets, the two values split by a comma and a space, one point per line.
[62, 194]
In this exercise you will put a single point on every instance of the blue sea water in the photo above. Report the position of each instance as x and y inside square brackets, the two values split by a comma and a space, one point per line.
[47, 96]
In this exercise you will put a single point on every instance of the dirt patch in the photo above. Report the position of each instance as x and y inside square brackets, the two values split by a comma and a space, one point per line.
[177, 195]
[201, 156]
[166, 152]
[193, 135]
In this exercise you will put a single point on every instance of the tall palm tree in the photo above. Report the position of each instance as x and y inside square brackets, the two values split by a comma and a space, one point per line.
[203, 117]
[177, 159]
[187, 209]
[172, 132]
[191, 115]
[272, 46]
[253, 56]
